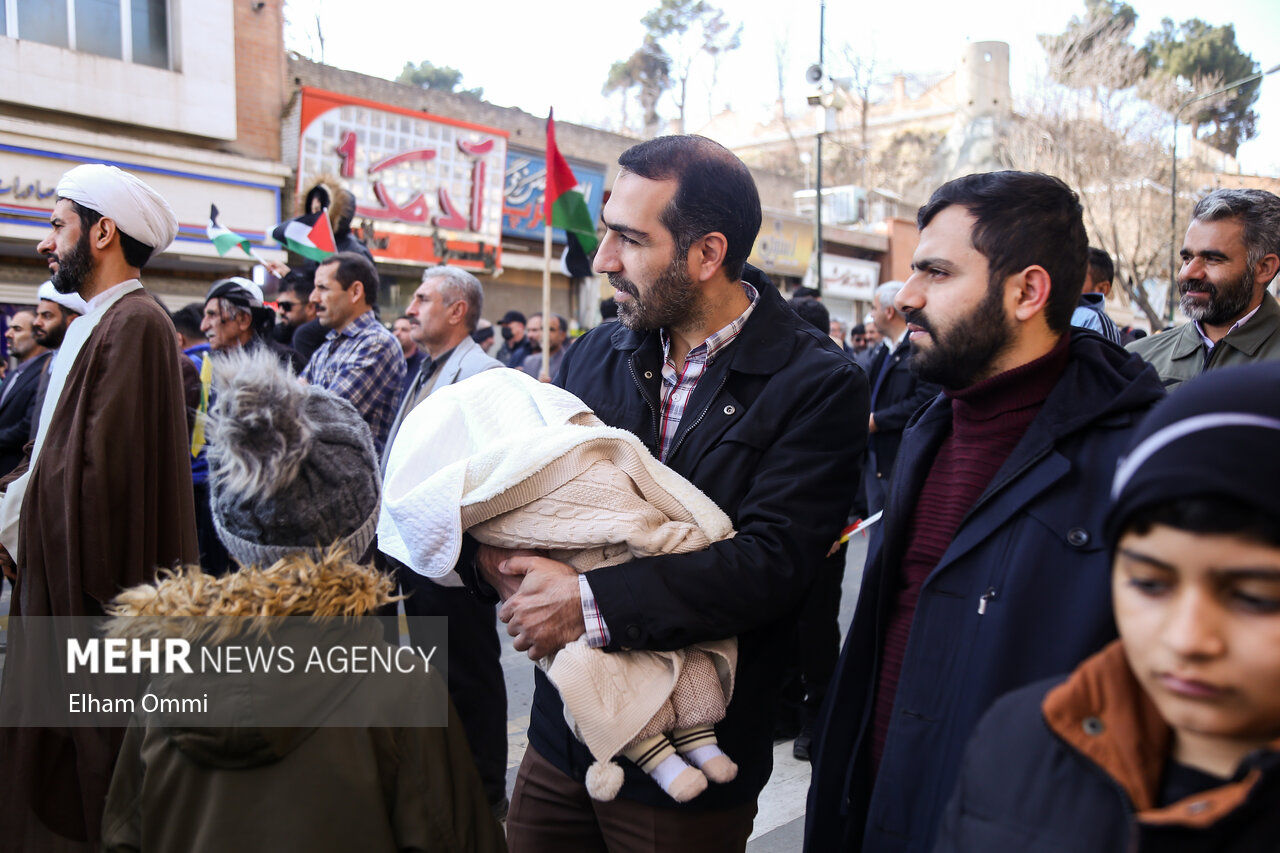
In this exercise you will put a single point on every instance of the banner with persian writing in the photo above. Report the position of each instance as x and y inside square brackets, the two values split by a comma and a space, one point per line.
[429, 189]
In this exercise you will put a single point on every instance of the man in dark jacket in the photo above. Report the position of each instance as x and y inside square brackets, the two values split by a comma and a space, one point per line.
[1091, 313]
[988, 571]
[516, 346]
[896, 394]
[18, 391]
[728, 387]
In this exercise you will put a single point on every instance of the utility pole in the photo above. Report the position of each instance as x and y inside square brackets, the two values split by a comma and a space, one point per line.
[817, 246]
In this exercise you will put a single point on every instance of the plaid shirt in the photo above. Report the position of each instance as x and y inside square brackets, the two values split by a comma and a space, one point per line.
[678, 385]
[364, 365]
[677, 389]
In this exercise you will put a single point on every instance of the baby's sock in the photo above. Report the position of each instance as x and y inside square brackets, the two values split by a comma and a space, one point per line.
[700, 748]
[657, 756]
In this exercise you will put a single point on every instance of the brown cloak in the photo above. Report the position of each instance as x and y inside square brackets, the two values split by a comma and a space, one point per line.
[109, 500]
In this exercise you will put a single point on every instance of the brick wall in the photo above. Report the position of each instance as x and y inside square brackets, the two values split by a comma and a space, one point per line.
[260, 78]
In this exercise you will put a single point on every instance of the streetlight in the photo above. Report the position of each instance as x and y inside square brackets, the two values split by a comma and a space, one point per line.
[1173, 196]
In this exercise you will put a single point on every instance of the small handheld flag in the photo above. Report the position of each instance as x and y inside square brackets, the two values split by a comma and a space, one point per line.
[224, 239]
[859, 526]
[309, 236]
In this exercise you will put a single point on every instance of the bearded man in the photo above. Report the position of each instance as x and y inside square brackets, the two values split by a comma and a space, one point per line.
[988, 571]
[54, 314]
[107, 498]
[18, 391]
[1230, 254]
[725, 385]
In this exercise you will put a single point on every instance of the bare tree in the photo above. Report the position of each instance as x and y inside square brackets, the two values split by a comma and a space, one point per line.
[648, 72]
[903, 163]
[862, 80]
[686, 30]
[1101, 126]
[781, 48]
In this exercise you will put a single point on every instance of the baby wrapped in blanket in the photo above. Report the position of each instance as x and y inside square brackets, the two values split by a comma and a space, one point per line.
[521, 464]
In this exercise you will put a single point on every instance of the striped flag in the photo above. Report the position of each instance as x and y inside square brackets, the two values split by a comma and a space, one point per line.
[224, 239]
[309, 236]
[566, 206]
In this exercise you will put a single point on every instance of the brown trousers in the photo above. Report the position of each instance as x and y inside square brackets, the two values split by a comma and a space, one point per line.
[551, 813]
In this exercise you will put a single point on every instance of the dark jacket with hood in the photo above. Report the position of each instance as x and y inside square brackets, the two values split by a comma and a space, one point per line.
[767, 436]
[297, 775]
[1021, 593]
[1075, 767]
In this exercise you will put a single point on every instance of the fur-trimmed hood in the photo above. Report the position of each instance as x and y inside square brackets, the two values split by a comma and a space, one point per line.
[297, 602]
[190, 604]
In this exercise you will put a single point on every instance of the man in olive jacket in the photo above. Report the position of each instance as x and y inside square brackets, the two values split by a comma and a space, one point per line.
[1229, 256]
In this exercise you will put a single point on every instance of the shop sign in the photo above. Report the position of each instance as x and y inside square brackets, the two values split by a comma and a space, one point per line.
[526, 184]
[784, 246]
[429, 190]
[250, 206]
[849, 278]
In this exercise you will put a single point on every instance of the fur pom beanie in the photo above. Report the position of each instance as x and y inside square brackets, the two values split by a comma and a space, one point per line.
[291, 467]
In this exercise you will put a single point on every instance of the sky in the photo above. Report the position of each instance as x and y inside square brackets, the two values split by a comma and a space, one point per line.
[535, 56]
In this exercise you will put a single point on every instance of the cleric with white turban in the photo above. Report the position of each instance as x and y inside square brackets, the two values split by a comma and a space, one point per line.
[69, 301]
[136, 208]
[107, 497]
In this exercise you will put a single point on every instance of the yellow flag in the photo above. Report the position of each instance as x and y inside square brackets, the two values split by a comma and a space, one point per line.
[202, 413]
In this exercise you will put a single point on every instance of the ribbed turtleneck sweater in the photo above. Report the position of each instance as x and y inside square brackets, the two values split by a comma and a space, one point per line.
[989, 418]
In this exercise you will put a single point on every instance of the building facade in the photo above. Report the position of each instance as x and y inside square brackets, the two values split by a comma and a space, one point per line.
[184, 93]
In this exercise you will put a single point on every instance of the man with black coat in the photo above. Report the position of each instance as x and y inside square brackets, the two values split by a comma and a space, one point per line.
[988, 571]
[18, 392]
[729, 388]
[515, 344]
[896, 394]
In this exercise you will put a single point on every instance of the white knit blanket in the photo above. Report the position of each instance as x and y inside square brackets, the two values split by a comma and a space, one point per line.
[523, 464]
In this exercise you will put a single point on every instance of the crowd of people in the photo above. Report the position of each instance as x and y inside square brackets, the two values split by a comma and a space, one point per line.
[1067, 635]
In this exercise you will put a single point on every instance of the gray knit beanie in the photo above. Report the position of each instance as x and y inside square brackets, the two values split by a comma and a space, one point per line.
[291, 467]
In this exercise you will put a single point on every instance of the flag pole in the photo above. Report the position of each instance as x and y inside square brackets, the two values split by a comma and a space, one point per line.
[544, 374]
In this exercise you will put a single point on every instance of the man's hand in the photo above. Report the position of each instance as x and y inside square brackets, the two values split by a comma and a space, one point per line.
[871, 423]
[545, 613]
[277, 269]
[488, 562]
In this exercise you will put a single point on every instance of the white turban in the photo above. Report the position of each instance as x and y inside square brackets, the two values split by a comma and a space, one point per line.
[70, 301]
[136, 209]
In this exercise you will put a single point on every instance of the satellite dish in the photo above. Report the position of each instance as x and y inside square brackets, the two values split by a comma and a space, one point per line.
[813, 74]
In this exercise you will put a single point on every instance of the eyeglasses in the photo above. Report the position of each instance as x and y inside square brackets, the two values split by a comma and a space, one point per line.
[285, 306]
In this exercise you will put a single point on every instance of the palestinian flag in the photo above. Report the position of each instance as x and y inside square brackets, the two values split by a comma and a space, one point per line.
[309, 236]
[223, 239]
[566, 206]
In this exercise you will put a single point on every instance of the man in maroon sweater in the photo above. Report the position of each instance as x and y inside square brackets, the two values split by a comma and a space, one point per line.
[988, 571]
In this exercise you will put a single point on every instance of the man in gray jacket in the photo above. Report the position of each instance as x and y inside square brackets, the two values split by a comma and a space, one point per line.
[1230, 254]
[442, 316]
